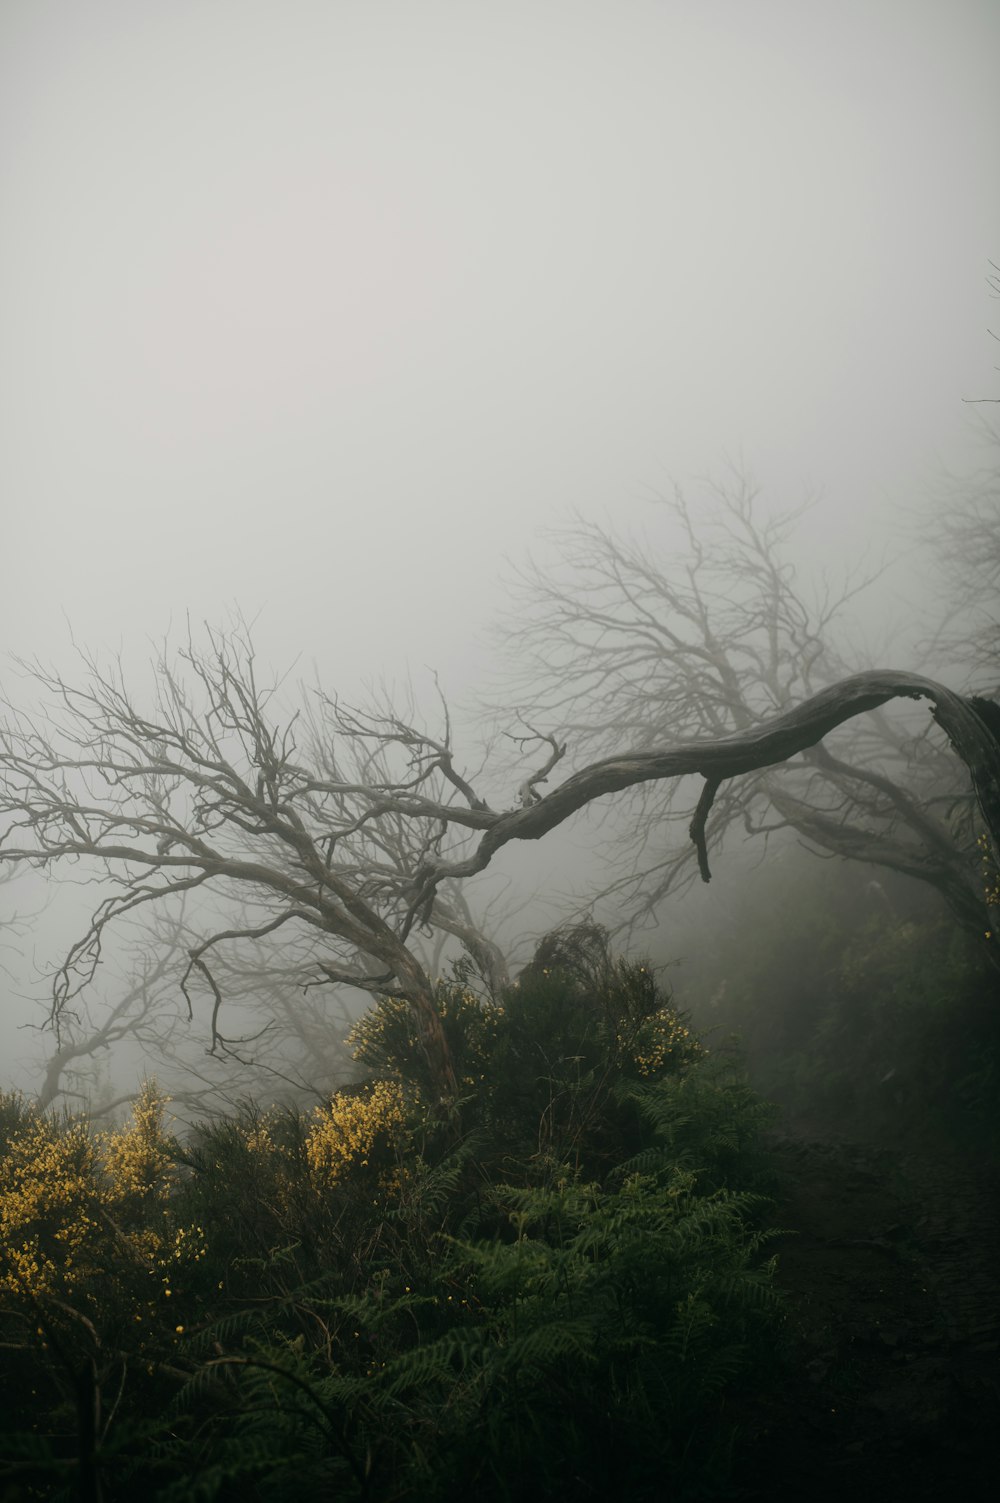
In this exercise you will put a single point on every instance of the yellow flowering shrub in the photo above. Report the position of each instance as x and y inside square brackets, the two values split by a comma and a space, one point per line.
[269, 1162]
[259, 1139]
[386, 1039]
[49, 1203]
[661, 1042]
[991, 877]
[136, 1159]
[383, 1034]
[346, 1133]
[75, 1204]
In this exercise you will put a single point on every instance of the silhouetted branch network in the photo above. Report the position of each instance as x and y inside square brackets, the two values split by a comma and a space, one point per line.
[705, 634]
[343, 846]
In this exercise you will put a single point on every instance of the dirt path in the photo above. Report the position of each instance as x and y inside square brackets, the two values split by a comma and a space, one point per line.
[892, 1387]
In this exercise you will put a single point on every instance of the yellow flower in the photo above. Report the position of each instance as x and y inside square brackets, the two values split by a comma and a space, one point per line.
[345, 1133]
[137, 1159]
[47, 1191]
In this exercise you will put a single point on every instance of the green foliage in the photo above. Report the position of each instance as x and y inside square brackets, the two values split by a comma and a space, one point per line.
[862, 1003]
[386, 1039]
[542, 1066]
[555, 1293]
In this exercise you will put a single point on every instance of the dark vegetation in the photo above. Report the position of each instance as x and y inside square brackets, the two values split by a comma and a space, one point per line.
[530, 1251]
[874, 1028]
[564, 1285]
[559, 1288]
[874, 1016]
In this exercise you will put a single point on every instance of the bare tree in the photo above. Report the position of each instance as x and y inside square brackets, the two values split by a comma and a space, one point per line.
[993, 283]
[961, 538]
[203, 793]
[284, 1042]
[336, 851]
[82, 1041]
[620, 645]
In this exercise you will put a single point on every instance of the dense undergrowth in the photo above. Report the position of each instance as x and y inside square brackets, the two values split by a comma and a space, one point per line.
[554, 1287]
[871, 1014]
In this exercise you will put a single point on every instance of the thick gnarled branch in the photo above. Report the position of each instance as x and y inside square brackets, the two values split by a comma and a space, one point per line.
[763, 745]
[346, 856]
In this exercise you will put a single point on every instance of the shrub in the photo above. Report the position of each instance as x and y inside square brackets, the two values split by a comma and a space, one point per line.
[561, 1284]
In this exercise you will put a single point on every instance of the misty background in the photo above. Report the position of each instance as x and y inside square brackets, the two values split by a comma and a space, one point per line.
[326, 311]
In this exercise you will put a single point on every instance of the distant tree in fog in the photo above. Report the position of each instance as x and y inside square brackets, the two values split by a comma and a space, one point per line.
[962, 536]
[288, 1044]
[624, 646]
[334, 838]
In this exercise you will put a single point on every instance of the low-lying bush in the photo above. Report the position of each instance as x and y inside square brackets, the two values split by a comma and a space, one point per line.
[549, 1291]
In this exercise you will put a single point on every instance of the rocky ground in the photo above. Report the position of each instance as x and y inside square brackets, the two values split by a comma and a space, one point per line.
[890, 1387]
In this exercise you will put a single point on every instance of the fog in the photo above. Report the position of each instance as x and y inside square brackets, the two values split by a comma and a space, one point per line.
[325, 311]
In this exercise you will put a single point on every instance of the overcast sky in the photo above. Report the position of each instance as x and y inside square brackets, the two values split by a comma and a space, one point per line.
[323, 306]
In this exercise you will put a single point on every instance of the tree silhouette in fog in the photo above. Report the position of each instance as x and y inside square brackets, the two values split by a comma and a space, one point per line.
[334, 835]
[627, 645]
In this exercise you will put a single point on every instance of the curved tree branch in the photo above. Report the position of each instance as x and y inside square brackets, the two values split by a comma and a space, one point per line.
[157, 809]
[759, 746]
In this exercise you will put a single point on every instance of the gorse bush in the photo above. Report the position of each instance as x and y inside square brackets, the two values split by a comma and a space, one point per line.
[545, 1068]
[551, 1291]
[386, 1040]
[75, 1204]
[346, 1134]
